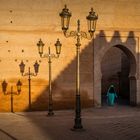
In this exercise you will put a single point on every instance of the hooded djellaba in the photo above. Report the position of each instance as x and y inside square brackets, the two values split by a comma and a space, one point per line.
[111, 95]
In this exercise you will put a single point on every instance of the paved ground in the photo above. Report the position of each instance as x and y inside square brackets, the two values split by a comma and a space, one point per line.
[106, 123]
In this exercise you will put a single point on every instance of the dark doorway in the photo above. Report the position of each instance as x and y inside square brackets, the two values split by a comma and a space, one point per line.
[115, 68]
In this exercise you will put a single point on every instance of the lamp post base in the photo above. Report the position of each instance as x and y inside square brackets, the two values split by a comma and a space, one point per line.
[78, 126]
[77, 130]
[29, 110]
[50, 113]
[78, 121]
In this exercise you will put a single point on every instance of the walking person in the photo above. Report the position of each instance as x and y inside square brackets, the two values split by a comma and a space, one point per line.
[111, 95]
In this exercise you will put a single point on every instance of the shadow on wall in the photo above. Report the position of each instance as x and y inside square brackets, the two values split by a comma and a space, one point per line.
[63, 87]
[54, 128]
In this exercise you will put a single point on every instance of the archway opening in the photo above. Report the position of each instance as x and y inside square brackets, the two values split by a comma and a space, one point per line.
[115, 68]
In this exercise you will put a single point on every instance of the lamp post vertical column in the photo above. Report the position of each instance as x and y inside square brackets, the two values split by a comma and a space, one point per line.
[49, 56]
[78, 123]
[50, 104]
[65, 19]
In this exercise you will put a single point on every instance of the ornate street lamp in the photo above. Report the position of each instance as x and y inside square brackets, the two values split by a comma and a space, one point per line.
[29, 74]
[65, 20]
[49, 56]
[12, 93]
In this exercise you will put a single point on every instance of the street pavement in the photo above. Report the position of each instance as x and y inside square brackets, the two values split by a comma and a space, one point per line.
[105, 123]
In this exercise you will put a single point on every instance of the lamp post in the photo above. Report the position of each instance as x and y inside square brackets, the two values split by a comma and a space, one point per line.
[65, 20]
[12, 93]
[29, 74]
[49, 56]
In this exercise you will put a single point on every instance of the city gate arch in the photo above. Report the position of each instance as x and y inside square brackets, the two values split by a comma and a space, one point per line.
[131, 54]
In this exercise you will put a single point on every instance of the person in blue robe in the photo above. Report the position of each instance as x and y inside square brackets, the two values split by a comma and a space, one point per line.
[111, 95]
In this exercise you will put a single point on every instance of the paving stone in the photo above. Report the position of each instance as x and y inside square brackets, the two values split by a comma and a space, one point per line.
[99, 124]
